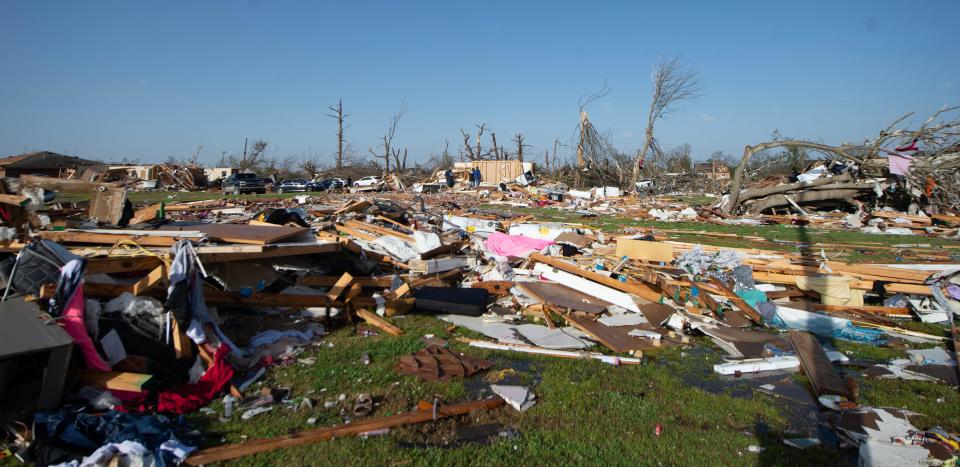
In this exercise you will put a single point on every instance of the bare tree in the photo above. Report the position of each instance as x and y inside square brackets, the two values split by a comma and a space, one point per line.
[309, 164]
[195, 158]
[673, 83]
[340, 116]
[518, 139]
[387, 142]
[469, 152]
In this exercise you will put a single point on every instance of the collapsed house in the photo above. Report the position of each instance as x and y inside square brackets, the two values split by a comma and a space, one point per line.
[44, 163]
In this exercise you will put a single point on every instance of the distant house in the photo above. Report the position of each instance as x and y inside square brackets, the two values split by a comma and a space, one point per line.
[217, 173]
[713, 170]
[139, 172]
[44, 163]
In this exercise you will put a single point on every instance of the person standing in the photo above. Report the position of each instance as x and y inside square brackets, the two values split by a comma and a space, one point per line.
[477, 177]
[449, 177]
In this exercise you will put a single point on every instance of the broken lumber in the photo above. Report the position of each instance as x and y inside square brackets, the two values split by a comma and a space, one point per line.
[238, 450]
[376, 321]
[632, 287]
[342, 284]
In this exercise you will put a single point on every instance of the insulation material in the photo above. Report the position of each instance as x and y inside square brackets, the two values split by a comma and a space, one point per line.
[833, 290]
[519, 246]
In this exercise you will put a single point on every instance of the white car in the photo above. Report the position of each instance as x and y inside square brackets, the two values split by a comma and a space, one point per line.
[369, 180]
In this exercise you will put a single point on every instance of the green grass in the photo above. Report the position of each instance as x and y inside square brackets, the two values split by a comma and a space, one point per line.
[586, 411]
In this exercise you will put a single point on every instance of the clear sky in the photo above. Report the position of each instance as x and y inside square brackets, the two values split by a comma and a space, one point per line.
[149, 79]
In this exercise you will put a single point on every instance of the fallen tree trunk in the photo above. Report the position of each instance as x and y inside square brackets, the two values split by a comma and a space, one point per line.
[845, 195]
[862, 186]
[772, 190]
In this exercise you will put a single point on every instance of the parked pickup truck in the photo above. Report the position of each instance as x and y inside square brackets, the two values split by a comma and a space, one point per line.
[244, 183]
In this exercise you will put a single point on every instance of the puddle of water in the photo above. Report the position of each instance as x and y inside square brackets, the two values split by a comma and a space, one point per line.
[525, 373]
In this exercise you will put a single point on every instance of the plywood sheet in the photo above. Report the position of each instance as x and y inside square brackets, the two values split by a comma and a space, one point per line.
[817, 366]
[563, 296]
[615, 338]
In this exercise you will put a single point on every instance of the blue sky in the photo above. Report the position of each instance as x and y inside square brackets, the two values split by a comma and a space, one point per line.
[147, 79]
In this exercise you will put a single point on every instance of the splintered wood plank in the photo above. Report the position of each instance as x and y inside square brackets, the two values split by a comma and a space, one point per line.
[614, 338]
[249, 448]
[376, 321]
[564, 297]
[342, 284]
[817, 366]
[240, 233]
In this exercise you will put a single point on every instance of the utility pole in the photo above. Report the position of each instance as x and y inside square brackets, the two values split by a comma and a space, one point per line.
[243, 162]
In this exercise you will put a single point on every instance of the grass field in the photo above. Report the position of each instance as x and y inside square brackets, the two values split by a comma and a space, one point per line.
[587, 411]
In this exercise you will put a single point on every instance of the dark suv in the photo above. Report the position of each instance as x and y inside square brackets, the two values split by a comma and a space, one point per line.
[243, 183]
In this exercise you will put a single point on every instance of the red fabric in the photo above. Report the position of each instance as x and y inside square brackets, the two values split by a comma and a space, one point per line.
[190, 397]
[908, 147]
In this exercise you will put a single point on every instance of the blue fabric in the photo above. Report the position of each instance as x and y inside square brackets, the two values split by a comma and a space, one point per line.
[752, 296]
[87, 432]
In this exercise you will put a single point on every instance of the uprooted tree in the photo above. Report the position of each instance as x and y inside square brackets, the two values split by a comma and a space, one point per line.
[934, 171]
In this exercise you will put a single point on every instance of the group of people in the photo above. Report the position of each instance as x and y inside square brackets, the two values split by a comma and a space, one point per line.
[475, 178]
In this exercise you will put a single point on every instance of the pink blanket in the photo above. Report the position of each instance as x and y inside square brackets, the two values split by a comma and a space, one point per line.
[74, 324]
[520, 246]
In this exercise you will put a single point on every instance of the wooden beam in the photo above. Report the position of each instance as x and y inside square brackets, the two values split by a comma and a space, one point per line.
[376, 321]
[105, 238]
[236, 451]
[630, 286]
[113, 264]
[328, 281]
[879, 310]
[342, 284]
[223, 254]
[219, 297]
[378, 230]
[156, 275]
